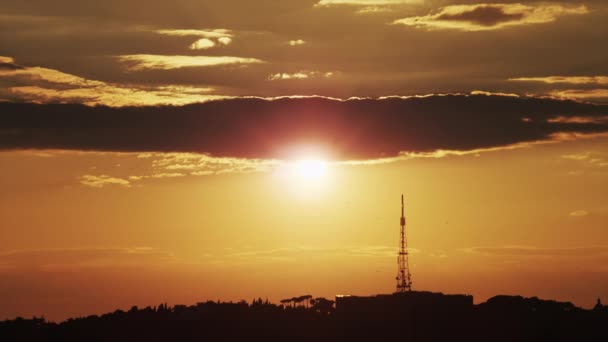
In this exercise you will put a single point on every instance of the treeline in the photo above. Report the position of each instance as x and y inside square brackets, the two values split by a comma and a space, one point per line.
[304, 318]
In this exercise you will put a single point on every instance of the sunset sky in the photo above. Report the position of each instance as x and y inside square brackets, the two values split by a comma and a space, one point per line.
[186, 150]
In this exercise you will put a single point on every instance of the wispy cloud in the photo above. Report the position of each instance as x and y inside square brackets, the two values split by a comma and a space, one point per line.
[374, 9]
[83, 258]
[43, 85]
[579, 213]
[368, 6]
[164, 62]
[163, 166]
[590, 159]
[103, 181]
[300, 75]
[322, 3]
[6, 60]
[601, 80]
[202, 44]
[482, 17]
[213, 33]
[307, 252]
[207, 38]
[579, 119]
[593, 95]
[297, 42]
[579, 251]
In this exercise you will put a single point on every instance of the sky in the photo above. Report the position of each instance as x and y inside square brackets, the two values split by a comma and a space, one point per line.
[186, 151]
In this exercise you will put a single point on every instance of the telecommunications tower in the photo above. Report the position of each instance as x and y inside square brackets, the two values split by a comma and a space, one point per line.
[404, 278]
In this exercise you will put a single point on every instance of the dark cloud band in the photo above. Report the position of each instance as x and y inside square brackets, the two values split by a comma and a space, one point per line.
[260, 128]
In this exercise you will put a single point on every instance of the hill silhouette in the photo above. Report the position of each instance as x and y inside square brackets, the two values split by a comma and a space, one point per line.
[415, 316]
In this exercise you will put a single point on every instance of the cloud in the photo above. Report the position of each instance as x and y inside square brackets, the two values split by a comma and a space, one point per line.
[224, 40]
[8, 64]
[143, 62]
[579, 213]
[208, 38]
[591, 159]
[299, 75]
[214, 33]
[6, 60]
[481, 17]
[287, 76]
[111, 95]
[197, 164]
[595, 95]
[80, 258]
[600, 80]
[365, 3]
[308, 252]
[374, 10]
[368, 6]
[46, 75]
[202, 44]
[273, 128]
[296, 42]
[526, 251]
[43, 85]
[137, 169]
[579, 119]
[481, 92]
[102, 181]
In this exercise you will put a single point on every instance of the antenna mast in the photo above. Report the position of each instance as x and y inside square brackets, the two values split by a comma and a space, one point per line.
[404, 278]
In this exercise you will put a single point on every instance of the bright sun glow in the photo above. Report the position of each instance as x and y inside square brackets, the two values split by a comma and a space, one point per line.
[310, 169]
[307, 177]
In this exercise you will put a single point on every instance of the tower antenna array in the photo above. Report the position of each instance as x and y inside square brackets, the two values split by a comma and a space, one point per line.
[404, 278]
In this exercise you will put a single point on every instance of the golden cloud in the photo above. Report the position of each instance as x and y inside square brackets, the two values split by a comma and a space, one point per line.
[531, 251]
[143, 62]
[322, 3]
[579, 120]
[297, 42]
[592, 159]
[595, 95]
[224, 40]
[481, 17]
[299, 75]
[202, 44]
[602, 80]
[160, 166]
[7, 60]
[43, 85]
[208, 38]
[62, 259]
[214, 33]
[102, 181]
[579, 213]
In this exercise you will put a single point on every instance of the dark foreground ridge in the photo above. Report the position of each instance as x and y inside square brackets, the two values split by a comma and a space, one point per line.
[411, 316]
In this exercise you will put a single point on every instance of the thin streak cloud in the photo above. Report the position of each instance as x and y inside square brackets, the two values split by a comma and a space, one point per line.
[601, 80]
[593, 95]
[44, 85]
[366, 2]
[215, 33]
[144, 62]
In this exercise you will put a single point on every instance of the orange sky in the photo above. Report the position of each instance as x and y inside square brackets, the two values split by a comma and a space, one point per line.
[156, 155]
[527, 221]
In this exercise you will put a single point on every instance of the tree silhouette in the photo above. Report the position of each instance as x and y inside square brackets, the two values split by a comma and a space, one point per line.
[322, 306]
[420, 316]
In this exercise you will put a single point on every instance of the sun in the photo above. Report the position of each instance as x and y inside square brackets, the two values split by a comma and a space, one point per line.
[306, 175]
[310, 169]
